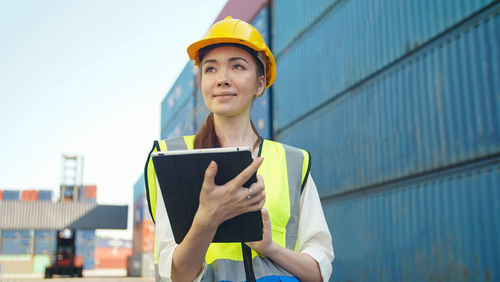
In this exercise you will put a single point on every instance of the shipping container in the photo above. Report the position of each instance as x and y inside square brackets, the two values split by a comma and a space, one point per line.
[332, 55]
[141, 211]
[29, 195]
[1, 195]
[139, 188]
[45, 195]
[40, 262]
[181, 91]
[433, 109]
[141, 265]
[90, 191]
[111, 257]
[16, 242]
[45, 242]
[88, 262]
[441, 227]
[143, 237]
[182, 122]
[261, 107]
[11, 195]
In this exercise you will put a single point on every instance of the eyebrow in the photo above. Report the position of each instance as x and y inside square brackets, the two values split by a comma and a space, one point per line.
[232, 59]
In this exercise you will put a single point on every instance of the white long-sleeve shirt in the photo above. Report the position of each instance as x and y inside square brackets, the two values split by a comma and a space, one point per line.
[314, 237]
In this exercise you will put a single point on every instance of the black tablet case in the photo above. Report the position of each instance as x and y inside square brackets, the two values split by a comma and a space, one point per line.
[181, 178]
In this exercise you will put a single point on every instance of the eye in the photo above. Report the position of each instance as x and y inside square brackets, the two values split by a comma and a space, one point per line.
[238, 67]
[209, 69]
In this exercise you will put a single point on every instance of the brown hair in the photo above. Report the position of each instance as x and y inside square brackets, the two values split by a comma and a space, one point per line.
[206, 137]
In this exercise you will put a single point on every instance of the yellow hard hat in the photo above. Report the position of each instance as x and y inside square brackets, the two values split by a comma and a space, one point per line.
[236, 31]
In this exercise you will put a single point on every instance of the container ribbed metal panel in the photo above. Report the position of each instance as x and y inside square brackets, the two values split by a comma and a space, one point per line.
[351, 42]
[178, 95]
[436, 108]
[261, 108]
[443, 228]
[182, 123]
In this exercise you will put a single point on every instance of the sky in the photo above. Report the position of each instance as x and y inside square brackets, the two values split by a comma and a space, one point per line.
[87, 78]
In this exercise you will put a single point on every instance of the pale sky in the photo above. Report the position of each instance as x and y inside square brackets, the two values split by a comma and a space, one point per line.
[87, 78]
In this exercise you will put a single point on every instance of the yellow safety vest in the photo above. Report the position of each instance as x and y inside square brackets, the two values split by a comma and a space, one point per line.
[285, 170]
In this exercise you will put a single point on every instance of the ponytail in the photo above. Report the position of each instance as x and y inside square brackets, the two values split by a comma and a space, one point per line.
[207, 138]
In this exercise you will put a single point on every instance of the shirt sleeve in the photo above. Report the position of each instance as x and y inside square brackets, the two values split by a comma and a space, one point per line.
[314, 237]
[165, 242]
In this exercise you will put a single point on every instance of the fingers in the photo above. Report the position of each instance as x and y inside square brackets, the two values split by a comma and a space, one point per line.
[210, 173]
[243, 177]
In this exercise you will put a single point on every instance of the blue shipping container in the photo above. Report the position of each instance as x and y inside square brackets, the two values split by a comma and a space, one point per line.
[182, 90]
[45, 195]
[16, 242]
[11, 195]
[436, 228]
[139, 188]
[433, 109]
[45, 242]
[356, 39]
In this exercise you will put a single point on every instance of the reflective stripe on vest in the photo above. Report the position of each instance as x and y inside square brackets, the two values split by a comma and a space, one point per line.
[284, 171]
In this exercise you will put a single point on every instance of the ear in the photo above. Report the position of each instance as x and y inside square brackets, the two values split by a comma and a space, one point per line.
[261, 85]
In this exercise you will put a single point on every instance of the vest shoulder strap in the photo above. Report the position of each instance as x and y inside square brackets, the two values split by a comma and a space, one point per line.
[178, 143]
[298, 160]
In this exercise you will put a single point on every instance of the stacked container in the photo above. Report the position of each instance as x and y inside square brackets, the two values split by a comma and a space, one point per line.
[1, 195]
[29, 195]
[87, 193]
[11, 195]
[45, 195]
[398, 103]
[112, 253]
[141, 263]
[85, 248]
[45, 245]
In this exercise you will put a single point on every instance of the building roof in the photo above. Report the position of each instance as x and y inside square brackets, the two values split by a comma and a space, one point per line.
[18, 215]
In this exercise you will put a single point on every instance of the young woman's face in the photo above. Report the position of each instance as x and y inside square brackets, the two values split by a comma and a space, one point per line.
[229, 81]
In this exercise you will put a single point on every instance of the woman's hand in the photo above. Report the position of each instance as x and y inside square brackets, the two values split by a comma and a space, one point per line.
[220, 203]
[266, 245]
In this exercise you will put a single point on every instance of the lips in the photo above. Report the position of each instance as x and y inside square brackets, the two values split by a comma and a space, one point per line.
[224, 95]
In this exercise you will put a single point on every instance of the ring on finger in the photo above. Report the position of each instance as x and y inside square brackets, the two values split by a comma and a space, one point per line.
[252, 194]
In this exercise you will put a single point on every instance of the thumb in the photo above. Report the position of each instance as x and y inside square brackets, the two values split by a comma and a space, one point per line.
[210, 173]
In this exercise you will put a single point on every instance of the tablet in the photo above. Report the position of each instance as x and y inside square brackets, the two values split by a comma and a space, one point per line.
[180, 175]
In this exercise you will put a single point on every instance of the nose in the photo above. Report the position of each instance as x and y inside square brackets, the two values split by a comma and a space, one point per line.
[222, 80]
[223, 83]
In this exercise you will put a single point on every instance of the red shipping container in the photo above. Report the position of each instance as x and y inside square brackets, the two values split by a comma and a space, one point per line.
[29, 196]
[144, 237]
[1, 195]
[90, 191]
[110, 257]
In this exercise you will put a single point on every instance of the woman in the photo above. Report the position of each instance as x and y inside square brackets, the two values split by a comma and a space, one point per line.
[236, 66]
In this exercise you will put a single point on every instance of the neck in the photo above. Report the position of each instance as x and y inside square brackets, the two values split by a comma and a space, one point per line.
[234, 131]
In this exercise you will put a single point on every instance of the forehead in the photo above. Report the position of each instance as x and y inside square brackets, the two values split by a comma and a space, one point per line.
[226, 52]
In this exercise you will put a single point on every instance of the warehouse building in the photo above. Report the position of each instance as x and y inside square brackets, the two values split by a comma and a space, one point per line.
[398, 103]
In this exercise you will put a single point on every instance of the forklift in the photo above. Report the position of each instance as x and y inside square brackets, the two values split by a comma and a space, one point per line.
[64, 261]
